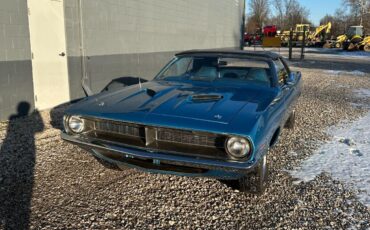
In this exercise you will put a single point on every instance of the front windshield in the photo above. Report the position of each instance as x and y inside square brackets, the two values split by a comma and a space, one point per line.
[219, 69]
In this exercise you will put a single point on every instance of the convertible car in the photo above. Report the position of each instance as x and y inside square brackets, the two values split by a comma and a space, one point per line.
[211, 113]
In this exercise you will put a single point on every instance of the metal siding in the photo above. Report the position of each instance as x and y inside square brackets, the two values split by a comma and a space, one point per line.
[15, 57]
[137, 37]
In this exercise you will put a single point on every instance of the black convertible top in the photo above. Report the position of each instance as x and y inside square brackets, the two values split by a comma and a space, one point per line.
[257, 54]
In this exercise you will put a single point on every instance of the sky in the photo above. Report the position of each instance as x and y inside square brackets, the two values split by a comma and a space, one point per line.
[319, 8]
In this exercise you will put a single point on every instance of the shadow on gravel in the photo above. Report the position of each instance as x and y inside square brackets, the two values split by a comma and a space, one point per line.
[17, 161]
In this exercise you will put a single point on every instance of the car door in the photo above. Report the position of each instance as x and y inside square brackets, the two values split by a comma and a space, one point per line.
[291, 86]
[285, 89]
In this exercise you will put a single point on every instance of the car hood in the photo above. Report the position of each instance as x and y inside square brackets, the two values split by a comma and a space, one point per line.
[203, 106]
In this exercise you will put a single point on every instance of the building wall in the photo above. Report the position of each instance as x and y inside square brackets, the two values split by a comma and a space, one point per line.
[16, 83]
[107, 39]
[137, 37]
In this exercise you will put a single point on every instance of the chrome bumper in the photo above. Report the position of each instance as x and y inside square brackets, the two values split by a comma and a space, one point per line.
[202, 163]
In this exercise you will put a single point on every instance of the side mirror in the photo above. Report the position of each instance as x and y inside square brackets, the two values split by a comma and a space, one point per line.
[292, 78]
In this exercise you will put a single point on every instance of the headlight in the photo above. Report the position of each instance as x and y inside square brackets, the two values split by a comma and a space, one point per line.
[238, 147]
[75, 124]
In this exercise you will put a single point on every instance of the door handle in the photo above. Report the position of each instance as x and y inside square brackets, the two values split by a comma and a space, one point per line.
[62, 54]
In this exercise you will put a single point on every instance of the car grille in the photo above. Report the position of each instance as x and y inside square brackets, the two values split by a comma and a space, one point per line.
[118, 128]
[184, 137]
[158, 139]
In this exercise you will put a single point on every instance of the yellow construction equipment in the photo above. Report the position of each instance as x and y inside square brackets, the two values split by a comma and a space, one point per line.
[318, 37]
[340, 40]
[313, 38]
[351, 40]
[365, 44]
[297, 34]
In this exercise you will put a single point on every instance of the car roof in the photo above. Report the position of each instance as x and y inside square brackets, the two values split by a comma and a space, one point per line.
[241, 53]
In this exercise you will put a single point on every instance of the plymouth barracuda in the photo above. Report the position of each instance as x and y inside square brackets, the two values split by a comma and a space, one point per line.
[213, 113]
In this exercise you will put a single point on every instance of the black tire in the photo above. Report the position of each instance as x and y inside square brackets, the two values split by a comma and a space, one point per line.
[256, 182]
[290, 123]
[119, 83]
[345, 45]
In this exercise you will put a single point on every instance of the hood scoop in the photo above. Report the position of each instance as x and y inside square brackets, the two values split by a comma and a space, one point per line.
[205, 97]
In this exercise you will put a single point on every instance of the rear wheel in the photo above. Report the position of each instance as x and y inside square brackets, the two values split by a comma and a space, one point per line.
[256, 182]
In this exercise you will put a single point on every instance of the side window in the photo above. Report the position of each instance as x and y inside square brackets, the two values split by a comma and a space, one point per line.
[179, 68]
[282, 72]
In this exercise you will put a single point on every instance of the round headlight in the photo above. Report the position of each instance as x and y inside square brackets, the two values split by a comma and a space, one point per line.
[76, 124]
[238, 147]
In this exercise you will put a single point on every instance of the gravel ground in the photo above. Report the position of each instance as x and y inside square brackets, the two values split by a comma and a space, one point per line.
[46, 183]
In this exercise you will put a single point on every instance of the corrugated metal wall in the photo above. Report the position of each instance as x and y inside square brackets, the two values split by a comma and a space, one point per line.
[137, 37]
[15, 57]
[107, 39]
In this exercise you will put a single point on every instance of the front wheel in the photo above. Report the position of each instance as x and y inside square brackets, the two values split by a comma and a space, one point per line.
[256, 182]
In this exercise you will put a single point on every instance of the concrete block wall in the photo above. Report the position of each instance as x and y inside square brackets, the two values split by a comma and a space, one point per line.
[137, 37]
[16, 83]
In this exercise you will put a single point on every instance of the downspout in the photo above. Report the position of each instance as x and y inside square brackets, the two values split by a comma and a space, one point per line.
[243, 25]
[85, 77]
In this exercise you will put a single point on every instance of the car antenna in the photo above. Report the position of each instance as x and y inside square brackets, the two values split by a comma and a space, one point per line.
[140, 83]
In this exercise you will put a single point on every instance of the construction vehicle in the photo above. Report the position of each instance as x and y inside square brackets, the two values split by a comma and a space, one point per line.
[270, 31]
[269, 37]
[318, 37]
[312, 38]
[354, 37]
[297, 37]
[365, 44]
[351, 40]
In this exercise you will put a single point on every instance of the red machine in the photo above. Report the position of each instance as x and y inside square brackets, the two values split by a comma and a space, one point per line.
[252, 39]
[270, 31]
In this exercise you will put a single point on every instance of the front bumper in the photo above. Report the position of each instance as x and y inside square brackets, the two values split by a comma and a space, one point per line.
[96, 147]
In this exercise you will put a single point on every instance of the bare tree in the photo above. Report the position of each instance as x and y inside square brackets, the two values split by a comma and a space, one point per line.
[259, 11]
[289, 13]
[279, 8]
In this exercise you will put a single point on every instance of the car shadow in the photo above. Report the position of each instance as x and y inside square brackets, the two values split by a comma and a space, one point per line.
[17, 162]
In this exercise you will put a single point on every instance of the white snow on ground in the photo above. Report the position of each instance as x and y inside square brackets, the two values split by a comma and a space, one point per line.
[346, 157]
[363, 93]
[338, 72]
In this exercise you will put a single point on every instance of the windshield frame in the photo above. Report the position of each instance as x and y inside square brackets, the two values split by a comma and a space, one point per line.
[268, 61]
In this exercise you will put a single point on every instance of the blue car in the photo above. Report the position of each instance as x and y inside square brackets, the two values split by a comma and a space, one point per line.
[213, 113]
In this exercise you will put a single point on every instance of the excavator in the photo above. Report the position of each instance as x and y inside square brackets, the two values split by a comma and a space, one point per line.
[318, 37]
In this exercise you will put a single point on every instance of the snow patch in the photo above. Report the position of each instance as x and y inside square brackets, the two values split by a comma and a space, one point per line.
[346, 157]
[362, 93]
[338, 72]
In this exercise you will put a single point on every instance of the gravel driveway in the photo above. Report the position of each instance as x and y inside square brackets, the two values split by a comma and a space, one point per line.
[46, 183]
